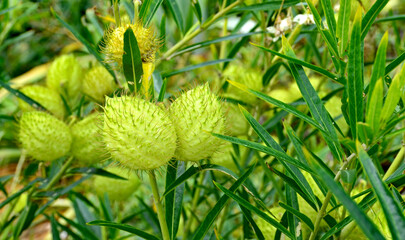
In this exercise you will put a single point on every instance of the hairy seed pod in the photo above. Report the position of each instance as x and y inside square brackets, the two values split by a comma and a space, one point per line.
[195, 114]
[48, 98]
[65, 76]
[117, 189]
[87, 146]
[43, 136]
[248, 77]
[148, 43]
[137, 133]
[98, 83]
[236, 123]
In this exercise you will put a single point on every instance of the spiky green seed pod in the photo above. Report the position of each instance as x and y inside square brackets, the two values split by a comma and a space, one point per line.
[236, 123]
[48, 98]
[117, 189]
[65, 76]
[248, 77]
[137, 133]
[148, 43]
[87, 146]
[43, 136]
[98, 83]
[195, 114]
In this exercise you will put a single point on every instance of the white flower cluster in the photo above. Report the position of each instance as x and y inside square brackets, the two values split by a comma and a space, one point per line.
[286, 24]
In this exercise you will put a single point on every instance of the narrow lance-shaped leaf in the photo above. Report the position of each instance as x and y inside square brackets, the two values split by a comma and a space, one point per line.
[216, 210]
[379, 64]
[355, 77]
[371, 15]
[342, 32]
[314, 103]
[329, 15]
[394, 94]
[255, 210]
[365, 224]
[131, 61]
[375, 101]
[124, 227]
[392, 210]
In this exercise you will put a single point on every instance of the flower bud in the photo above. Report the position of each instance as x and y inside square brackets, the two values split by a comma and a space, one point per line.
[65, 76]
[195, 114]
[148, 43]
[248, 77]
[137, 133]
[98, 83]
[117, 189]
[87, 146]
[48, 98]
[43, 136]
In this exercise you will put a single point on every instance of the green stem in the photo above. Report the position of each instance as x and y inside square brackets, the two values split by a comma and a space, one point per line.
[159, 206]
[59, 175]
[194, 204]
[328, 196]
[203, 26]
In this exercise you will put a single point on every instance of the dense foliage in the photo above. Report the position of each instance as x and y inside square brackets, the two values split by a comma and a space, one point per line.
[178, 119]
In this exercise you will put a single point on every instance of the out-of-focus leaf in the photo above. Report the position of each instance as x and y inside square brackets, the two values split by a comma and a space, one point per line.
[95, 171]
[192, 67]
[124, 227]
[298, 214]
[267, 6]
[392, 210]
[375, 103]
[342, 32]
[177, 15]
[397, 61]
[393, 96]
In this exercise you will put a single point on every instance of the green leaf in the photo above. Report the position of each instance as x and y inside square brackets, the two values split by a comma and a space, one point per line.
[342, 32]
[194, 170]
[314, 103]
[374, 108]
[267, 6]
[131, 61]
[397, 61]
[18, 193]
[355, 77]
[26, 218]
[145, 8]
[365, 224]
[390, 18]
[391, 208]
[54, 228]
[257, 146]
[95, 171]
[92, 50]
[322, 71]
[255, 210]
[199, 45]
[124, 227]
[170, 197]
[216, 210]
[162, 91]
[330, 40]
[379, 65]
[197, 10]
[177, 15]
[329, 15]
[155, 6]
[298, 214]
[270, 142]
[393, 96]
[86, 233]
[370, 16]
[192, 67]
[22, 96]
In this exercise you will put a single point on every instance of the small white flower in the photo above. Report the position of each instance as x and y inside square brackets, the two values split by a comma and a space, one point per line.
[280, 27]
[306, 19]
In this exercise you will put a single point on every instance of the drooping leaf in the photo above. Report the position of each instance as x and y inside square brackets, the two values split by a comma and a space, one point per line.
[124, 227]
